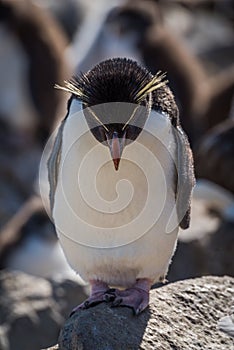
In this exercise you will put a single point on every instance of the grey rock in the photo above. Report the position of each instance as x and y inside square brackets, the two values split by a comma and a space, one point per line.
[32, 309]
[210, 253]
[226, 323]
[181, 316]
[207, 245]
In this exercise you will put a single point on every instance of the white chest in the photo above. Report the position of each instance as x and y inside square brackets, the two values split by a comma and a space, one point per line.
[110, 212]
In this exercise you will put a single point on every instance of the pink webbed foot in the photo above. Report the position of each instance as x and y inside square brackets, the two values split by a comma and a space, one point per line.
[100, 292]
[136, 297]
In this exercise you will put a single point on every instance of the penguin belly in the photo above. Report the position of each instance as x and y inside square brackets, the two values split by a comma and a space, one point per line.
[149, 258]
[113, 225]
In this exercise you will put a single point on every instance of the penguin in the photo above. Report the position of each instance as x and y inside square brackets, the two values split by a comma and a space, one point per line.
[221, 100]
[30, 64]
[217, 146]
[137, 30]
[28, 243]
[31, 61]
[69, 15]
[121, 178]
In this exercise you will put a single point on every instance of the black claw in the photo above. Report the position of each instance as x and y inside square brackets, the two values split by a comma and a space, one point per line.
[111, 291]
[73, 312]
[136, 311]
[116, 302]
[86, 304]
[109, 297]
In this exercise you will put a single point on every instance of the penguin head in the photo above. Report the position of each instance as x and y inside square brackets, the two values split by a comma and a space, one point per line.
[30, 64]
[134, 19]
[116, 97]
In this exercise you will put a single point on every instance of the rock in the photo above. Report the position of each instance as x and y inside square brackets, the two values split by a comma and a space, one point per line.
[207, 245]
[32, 309]
[226, 323]
[181, 316]
[208, 254]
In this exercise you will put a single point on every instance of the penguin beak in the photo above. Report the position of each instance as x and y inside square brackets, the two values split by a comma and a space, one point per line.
[116, 146]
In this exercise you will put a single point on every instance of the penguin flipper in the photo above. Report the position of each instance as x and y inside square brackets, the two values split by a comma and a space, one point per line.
[54, 162]
[185, 178]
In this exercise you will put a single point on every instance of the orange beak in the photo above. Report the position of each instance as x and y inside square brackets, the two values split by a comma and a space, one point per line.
[116, 146]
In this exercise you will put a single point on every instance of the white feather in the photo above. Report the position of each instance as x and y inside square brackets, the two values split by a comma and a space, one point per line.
[112, 224]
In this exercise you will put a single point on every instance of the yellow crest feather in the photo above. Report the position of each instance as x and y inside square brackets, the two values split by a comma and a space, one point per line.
[70, 87]
[153, 85]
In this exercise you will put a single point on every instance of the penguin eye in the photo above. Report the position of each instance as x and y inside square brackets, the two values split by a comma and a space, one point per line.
[132, 132]
[99, 133]
[102, 133]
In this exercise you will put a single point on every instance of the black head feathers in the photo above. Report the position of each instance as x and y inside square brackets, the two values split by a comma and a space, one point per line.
[114, 80]
[123, 80]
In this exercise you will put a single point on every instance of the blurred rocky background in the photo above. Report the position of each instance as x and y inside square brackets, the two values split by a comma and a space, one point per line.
[44, 42]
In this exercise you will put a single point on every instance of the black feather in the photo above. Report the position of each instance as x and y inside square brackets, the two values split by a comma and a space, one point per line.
[114, 80]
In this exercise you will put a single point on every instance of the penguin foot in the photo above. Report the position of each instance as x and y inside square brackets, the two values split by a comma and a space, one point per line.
[93, 300]
[100, 292]
[136, 297]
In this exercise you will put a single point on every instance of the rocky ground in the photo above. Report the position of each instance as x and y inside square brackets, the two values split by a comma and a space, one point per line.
[211, 253]
[32, 309]
[182, 316]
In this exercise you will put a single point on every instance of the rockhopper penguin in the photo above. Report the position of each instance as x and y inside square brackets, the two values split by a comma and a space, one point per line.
[121, 178]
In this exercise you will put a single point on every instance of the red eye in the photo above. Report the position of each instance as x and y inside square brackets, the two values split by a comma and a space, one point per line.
[132, 132]
[102, 133]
